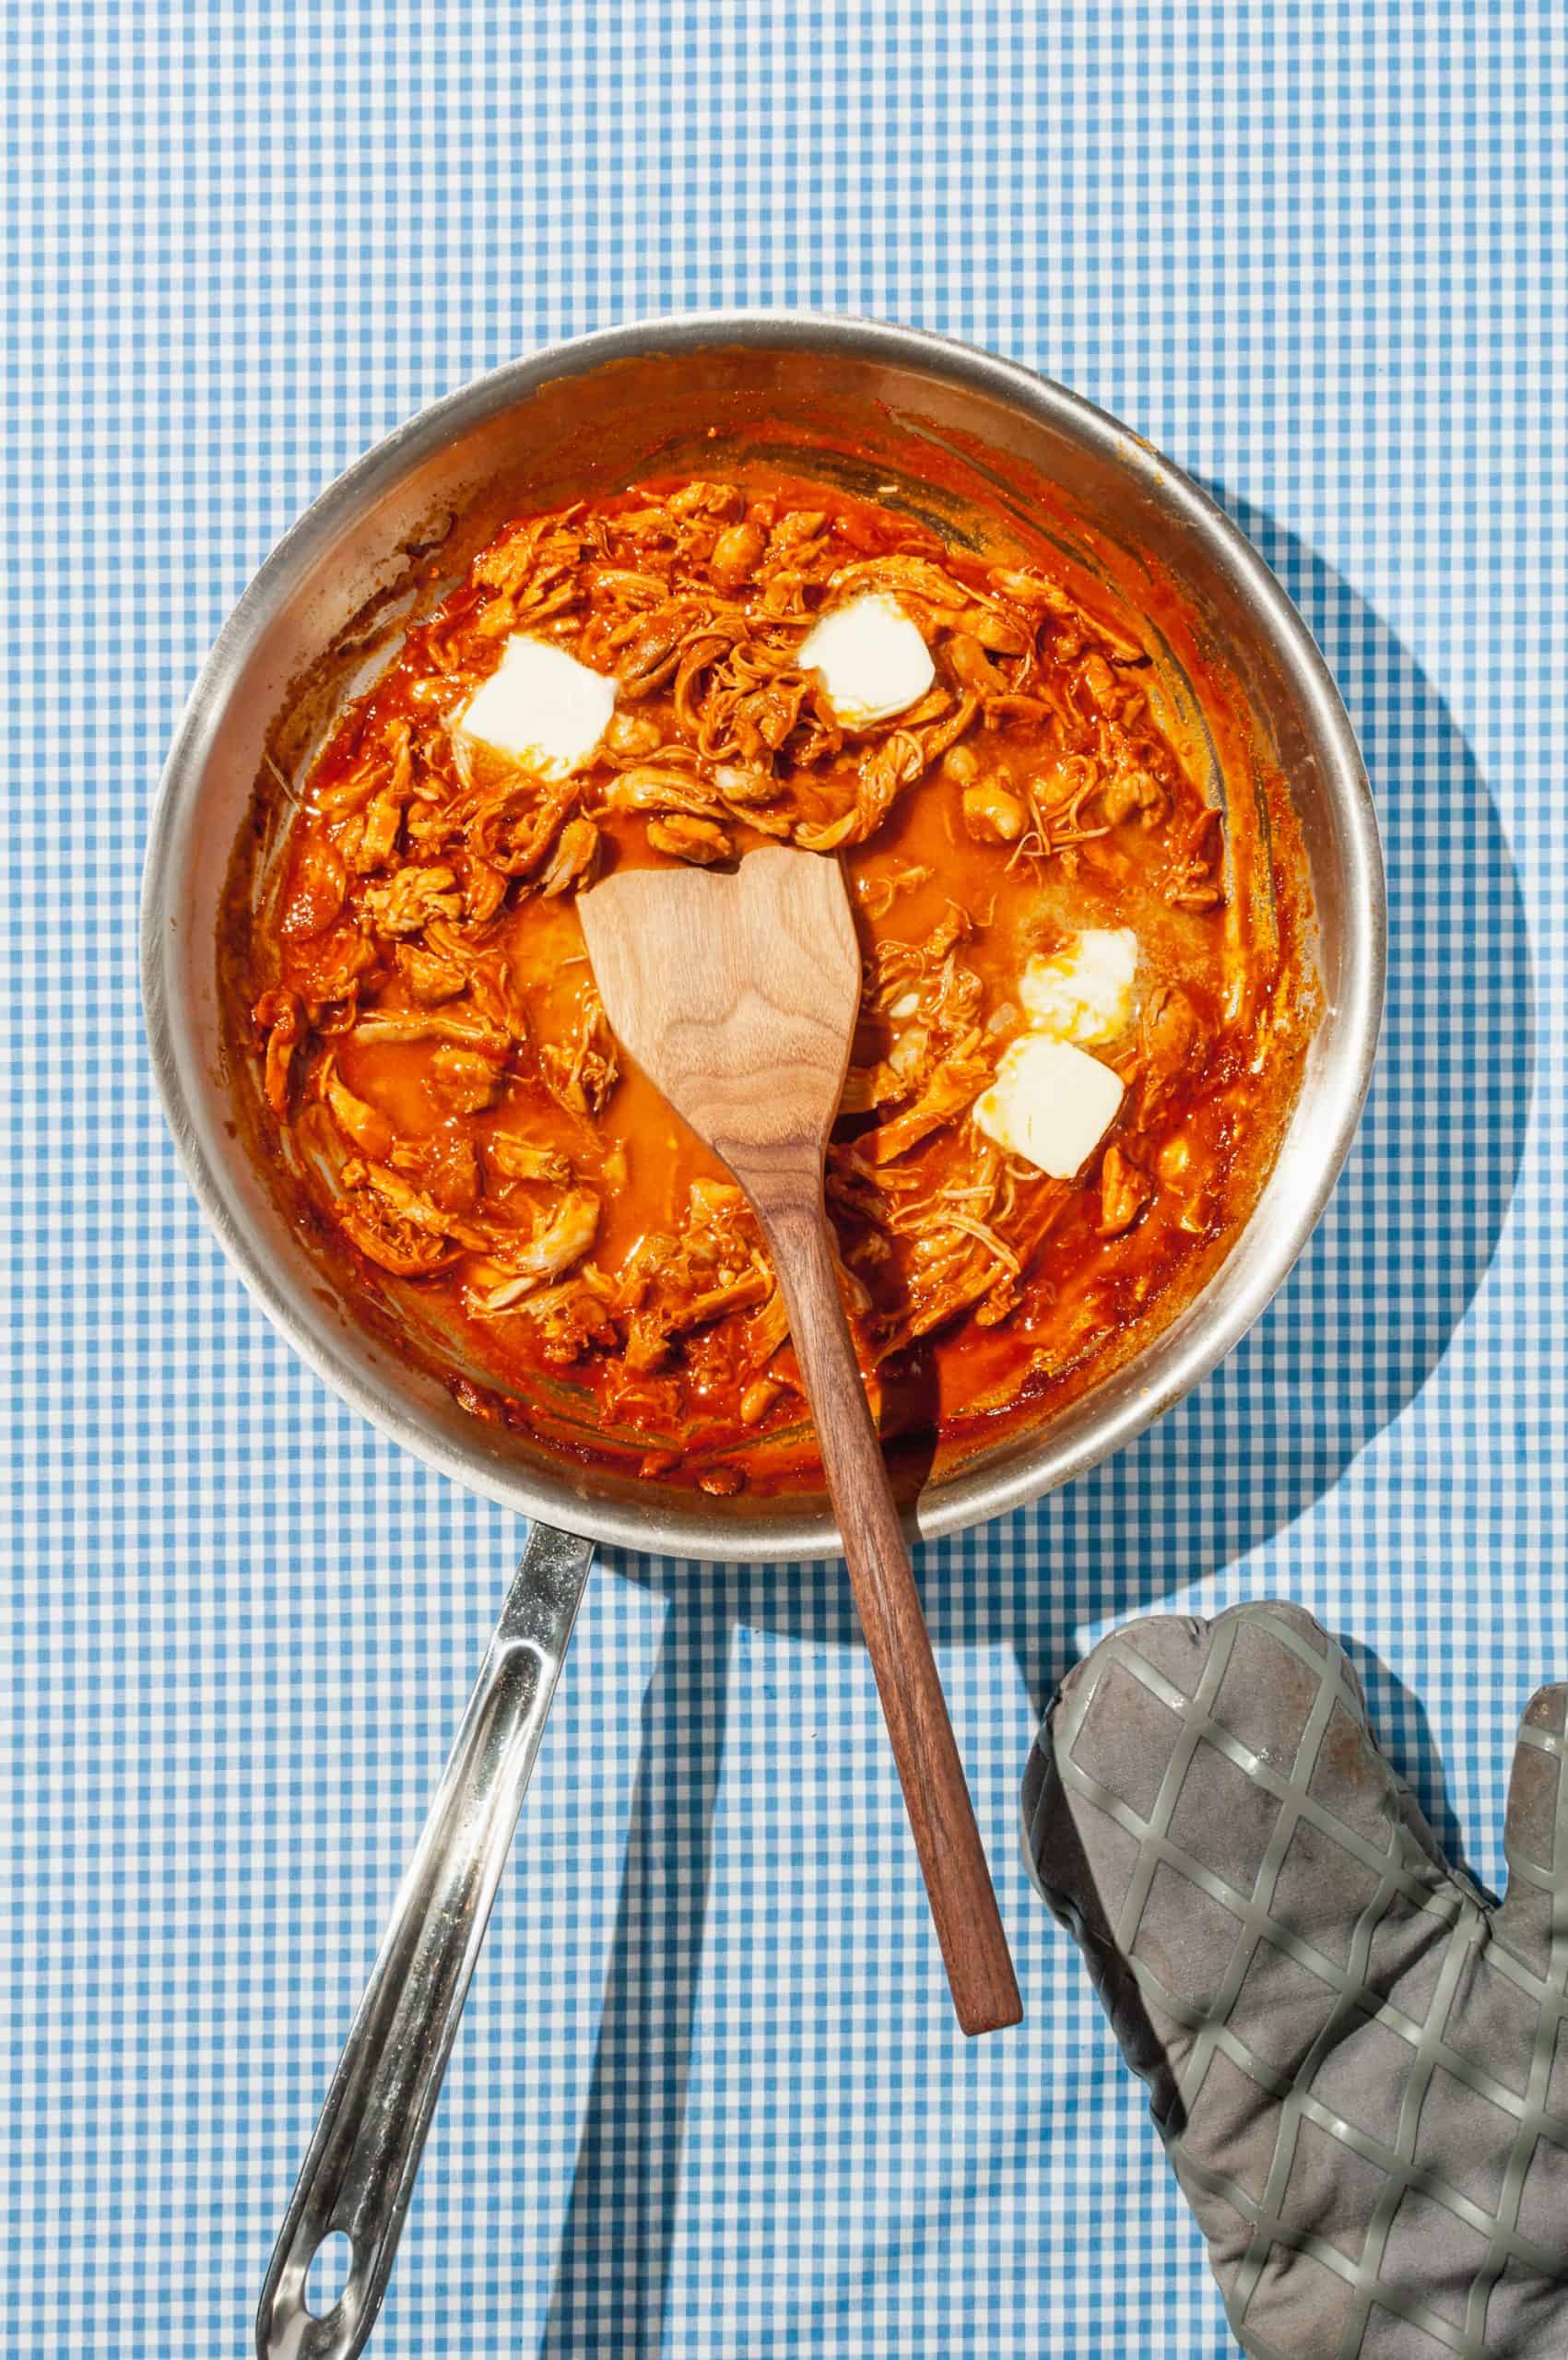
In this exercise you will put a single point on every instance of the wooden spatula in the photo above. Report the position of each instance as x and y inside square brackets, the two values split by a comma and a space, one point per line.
[736, 994]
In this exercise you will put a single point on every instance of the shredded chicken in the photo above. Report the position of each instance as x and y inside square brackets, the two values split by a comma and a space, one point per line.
[428, 979]
[674, 1283]
[450, 1025]
[683, 838]
[393, 1224]
[430, 1033]
[516, 1159]
[955, 1084]
[582, 1071]
[359, 1122]
[408, 902]
[561, 1238]
[1125, 1191]
[277, 1017]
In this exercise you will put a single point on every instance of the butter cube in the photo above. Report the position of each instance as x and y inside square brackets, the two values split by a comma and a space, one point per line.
[1084, 993]
[1050, 1103]
[873, 660]
[542, 707]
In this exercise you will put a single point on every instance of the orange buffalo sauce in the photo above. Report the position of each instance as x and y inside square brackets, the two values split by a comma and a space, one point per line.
[460, 1125]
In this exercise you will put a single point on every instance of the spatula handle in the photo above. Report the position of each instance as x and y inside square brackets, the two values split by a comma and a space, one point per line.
[974, 1948]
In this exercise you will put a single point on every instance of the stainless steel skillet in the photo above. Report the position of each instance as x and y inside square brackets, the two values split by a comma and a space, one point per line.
[954, 426]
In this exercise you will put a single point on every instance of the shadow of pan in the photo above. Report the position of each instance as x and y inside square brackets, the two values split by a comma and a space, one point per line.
[1352, 1336]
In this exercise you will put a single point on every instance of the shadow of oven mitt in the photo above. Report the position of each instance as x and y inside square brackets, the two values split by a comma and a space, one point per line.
[1358, 2068]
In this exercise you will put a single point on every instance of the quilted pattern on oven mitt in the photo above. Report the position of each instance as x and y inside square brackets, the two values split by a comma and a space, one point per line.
[1360, 2069]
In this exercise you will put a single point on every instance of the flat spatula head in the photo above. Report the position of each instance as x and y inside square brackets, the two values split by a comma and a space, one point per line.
[736, 993]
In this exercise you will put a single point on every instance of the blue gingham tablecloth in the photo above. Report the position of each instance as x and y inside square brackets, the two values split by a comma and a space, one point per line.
[709, 2099]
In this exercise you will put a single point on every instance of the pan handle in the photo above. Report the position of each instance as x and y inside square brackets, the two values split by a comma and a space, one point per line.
[360, 2172]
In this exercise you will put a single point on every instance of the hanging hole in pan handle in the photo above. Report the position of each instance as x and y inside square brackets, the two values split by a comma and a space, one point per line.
[321, 2301]
[326, 2280]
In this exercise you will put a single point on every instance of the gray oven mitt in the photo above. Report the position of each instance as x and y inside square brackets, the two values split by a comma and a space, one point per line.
[1358, 2068]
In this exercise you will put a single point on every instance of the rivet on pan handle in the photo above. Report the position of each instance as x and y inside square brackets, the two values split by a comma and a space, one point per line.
[360, 2172]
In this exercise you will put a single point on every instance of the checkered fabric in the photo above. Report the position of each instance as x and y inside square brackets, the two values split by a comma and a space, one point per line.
[1360, 2069]
[708, 2098]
